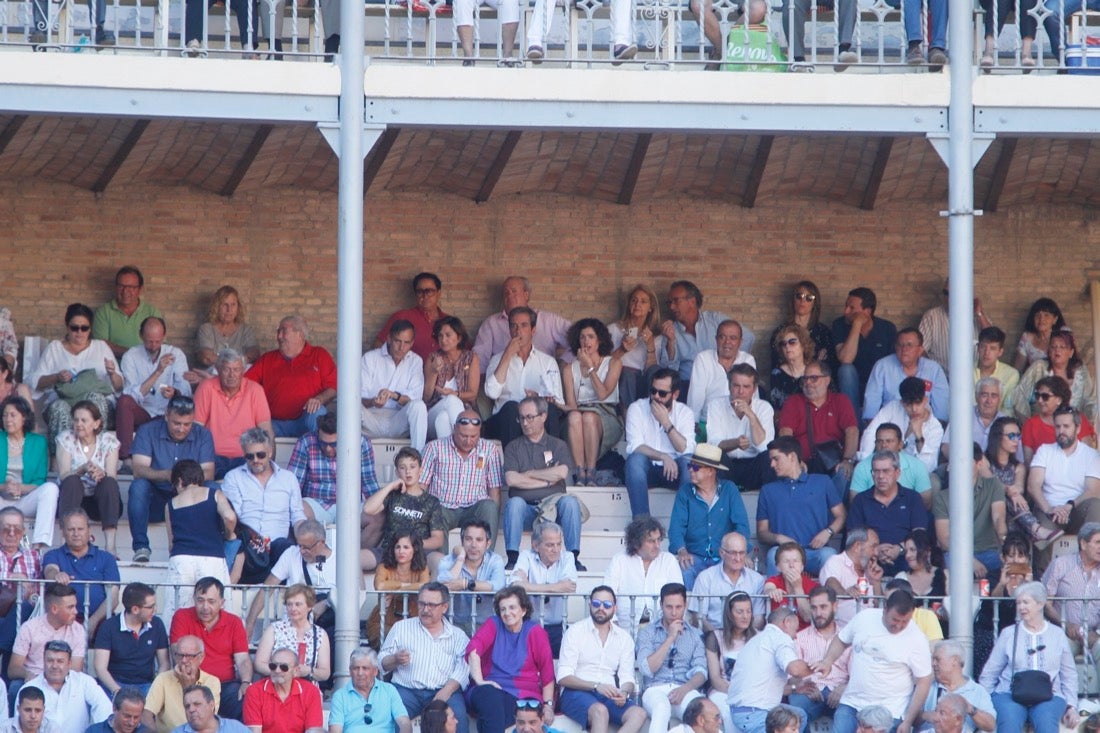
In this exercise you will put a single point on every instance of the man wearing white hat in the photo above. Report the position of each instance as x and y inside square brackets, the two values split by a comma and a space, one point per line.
[703, 512]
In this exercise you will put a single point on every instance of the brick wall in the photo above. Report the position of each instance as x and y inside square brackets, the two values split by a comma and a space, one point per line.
[279, 249]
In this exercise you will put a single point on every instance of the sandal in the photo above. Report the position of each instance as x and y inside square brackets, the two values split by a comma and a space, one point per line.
[987, 61]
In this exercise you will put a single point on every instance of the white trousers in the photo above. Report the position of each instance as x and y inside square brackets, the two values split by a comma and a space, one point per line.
[655, 701]
[39, 506]
[183, 572]
[410, 420]
[442, 416]
[507, 10]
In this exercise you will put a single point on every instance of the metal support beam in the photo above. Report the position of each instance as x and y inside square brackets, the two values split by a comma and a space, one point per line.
[378, 152]
[10, 129]
[756, 172]
[1000, 173]
[634, 169]
[331, 133]
[500, 160]
[247, 159]
[119, 157]
[878, 169]
[979, 142]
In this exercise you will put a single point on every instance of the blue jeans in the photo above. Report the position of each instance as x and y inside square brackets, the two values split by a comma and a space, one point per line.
[844, 720]
[751, 720]
[814, 559]
[296, 428]
[641, 474]
[223, 465]
[519, 515]
[698, 565]
[847, 380]
[812, 709]
[416, 700]
[911, 11]
[990, 558]
[1011, 715]
[1053, 23]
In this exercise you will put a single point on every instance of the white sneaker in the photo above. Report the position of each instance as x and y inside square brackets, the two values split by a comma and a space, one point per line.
[194, 49]
[845, 59]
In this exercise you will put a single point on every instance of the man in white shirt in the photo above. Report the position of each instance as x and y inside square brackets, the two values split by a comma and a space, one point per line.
[74, 700]
[716, 582]
[1064, 480]
[545, 569]
[660, 437]
[519, 371]
[640, 571]
[742, 425]
[596, 670]
[494, 333]
[922, 433]
[891, 664]
[393, 389]
[30, 714]
[711, 367]
[763, 665]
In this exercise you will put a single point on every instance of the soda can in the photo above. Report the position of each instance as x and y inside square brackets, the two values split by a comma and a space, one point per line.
[983, 587]
[863, 586]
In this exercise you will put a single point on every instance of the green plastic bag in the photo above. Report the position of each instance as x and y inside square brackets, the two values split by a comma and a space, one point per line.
[753, 49]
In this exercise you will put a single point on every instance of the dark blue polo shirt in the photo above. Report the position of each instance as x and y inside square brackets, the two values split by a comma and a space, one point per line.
[96, 564]
[107, 726]
[798, 508]
[891, 521]
[152, 439]
[133, 660]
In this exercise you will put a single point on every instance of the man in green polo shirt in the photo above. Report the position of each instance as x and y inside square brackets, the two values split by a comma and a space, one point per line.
[118, 322]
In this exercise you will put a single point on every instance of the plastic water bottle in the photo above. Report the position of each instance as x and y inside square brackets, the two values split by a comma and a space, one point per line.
[81, 42]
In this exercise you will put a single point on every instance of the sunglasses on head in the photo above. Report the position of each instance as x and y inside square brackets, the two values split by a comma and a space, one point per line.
[82, 329]
[257, 456]
[606, 605]
[468, 421]
[662, 393]
[281, 666]
[528, 703]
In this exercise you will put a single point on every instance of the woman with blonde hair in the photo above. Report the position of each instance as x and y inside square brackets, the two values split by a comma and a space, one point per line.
[636, 338]
[225, 328]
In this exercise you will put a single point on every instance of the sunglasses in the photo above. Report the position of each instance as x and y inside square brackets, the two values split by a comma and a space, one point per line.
[258, 456]
[807, 297]
[468, 421]
[662, 393]
[1012, 436]
[793, 341]
[528, 418]
[606, 605]
[327, 443]
[528, 703]
[1043, 396]
[672, 656]
[812, 378]
[366, 714]
[281, 666]
[693, 466]
[80, 329]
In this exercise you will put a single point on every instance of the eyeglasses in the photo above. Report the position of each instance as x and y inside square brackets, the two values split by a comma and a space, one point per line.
[606, 605]
[422, 292]
[662, 393]
[281, 666]
[179, 401]
[733, 553]
[258, 456]
[366, 714]
[184, 655]
[528, 418]
[812, 378]
[430, 605]
[672, 656]
[528, 703]
[150, 606]
[793, 341]
[807, 297]
[309, 548]
[11, 529]
[121, 286]
[1043, 396]
[468, 421]
[81, 329]
[1012, 436]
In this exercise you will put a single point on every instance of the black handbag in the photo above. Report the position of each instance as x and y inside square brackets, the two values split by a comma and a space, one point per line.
[1030, 686]
[824, 457]
[256, 548]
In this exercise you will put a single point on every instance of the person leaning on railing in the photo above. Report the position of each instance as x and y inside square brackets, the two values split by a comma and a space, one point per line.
[16, 564]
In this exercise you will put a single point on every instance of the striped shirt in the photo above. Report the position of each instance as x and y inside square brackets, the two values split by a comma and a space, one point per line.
[1066, 577]
[27, 562]
[433, 660]
[461, 481]
[812, 646]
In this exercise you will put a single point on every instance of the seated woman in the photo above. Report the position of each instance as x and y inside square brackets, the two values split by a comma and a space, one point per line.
[722, 647]
[1001, 452]
[926, 578]
[452, 376]
[1062, 361]
[225, 328]
[637, 337]
[87, 464]
[795, 350]
[76, 368]
[591, 390]
[403, 568]
[23, 465]
[1032, 644]
[1050, 394]
[997, 611]
[510, 660]
[297, 631]
[804, 309]
[1043, 319]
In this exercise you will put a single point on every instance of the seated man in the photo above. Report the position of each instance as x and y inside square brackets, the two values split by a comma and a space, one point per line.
[1064, 480]
[200, 702]
[393, 389]
[545, 570]
[798, 507]
[508, 14]
[935, 327]
[913, 16]
[222, 633]
[74, 700]
[908, 360]
[922, 433]
[494, 334]
[79, 560]
[893, 511]
[991, 347]
[521, 370]
[298, 379]
[660, 435]
[282, 701]
[132, 645]
[742, 424]
[154, 372]
[710, 369]
[990, 526]
[914, 474]
[703, 513]
[818, 695]
[854, 573]
[118, 321]
[718, 581]
[165, 703]
[948, 658]
[640, 570]
[266, 498]
[30, 713]
[1071, 576]
[472, 566]
[536, 465]
[987, 395]
[129, 705]
[349, 707]
[670, 655]
[313, 462]
[465, 471]
[759, 679]
[227, 406]
[691, 330]
[427, 287]
[57, 624]
[861, 340]
[596, 670]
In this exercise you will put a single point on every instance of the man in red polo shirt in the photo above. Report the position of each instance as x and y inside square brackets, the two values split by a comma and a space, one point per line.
[298, 379]
[222, 634]
[283, 703]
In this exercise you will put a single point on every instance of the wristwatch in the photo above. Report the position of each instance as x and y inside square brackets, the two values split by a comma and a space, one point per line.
[470, 585]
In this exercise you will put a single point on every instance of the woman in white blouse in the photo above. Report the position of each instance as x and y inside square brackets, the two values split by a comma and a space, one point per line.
[87, 464]
[591, 392]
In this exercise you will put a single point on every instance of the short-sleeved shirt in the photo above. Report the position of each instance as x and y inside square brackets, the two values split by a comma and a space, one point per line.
[523, 454]
[111, 324]
[460, 481]
[95, 564]
[153, 440]
[133, 658]
[885, 666]
[348, 708]
[225, 725]
[829, 421]
[165, 698]
[761, 671]
[841, 567]
[878, 343]
[914, 475]
[987, 492]
[970, 691]
[1064, 477]
[300, 710]
[798, 508]
[539, 574]
[892, 521]
[713, 585]
[224, 639]
[289, 383]
[420, 515]
[322, 575]
[33, 636]
[228, 417]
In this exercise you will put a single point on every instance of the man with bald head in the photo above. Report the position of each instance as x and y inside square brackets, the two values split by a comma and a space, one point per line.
[494, 334]
[465, 472]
